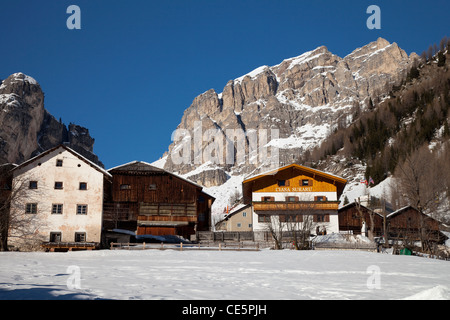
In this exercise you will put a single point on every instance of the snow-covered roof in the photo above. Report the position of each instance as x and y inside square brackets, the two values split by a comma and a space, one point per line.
[145, 166]
[89, 162]
[275, 171]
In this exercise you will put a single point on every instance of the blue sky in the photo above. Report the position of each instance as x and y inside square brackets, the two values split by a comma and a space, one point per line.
[136, 65]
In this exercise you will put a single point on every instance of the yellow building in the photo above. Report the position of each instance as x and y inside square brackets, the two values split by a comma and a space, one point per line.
[240, 218]
[295, 194]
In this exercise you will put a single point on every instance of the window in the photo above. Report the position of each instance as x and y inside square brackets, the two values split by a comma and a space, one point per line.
[283, 183]
[82, 208]
[80, 236]
[33, 185]
[321, 218]
[83, 186]
[152, 187]
[267, 199]
[55, 236]
[291, 218]
[125, 187]
[57, 208]
[239, 225]
[320, 198]
[306, 182]
[244, 214]
[263, 218]
[58, 185]
[31, 208]
[59, 163]
[291, 199]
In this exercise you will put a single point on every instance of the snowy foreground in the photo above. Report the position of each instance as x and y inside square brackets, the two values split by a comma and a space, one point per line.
[213, 275]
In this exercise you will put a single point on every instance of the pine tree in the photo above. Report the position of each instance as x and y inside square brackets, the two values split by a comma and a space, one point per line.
[441, 59]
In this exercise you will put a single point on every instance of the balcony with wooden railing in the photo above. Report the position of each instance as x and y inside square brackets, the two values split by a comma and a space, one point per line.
[294, 205]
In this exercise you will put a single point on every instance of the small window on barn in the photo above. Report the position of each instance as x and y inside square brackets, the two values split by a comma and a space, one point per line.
[125, 187]
[59, 162]
[306, 182]
[152, 187]
[80, 236]
[31, 208]
[83, 185]
[33, 185]
[58, 185]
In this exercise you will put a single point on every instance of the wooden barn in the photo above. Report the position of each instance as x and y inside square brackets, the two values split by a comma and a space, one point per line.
[153, 201]
[358, 219]
[410, 224]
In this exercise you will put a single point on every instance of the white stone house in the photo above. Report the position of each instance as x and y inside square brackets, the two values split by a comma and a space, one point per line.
[60, 199]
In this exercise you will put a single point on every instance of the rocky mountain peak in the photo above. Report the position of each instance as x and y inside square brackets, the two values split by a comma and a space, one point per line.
[27, 128]
[303, 97]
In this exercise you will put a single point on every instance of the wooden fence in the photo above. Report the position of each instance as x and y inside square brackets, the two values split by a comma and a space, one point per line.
[181, 246]
[236, 236]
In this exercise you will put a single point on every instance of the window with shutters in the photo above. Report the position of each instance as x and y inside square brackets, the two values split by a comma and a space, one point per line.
[263, 218]
[321, 218]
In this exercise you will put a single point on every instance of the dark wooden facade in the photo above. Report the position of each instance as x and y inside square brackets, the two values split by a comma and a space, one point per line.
[404, 224]
[410, 224]
[351, 220]
[153, 201]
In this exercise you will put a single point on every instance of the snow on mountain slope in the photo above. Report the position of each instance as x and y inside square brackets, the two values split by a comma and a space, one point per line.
[303, 99]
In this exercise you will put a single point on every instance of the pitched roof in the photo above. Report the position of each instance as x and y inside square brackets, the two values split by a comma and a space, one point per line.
[142, 167]
[340, 182]
[76, 154]
[401, 210]
[353, 204]
[300, 167]
[137, 166]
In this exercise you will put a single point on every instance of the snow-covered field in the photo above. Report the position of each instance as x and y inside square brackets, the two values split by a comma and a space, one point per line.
[218, 275]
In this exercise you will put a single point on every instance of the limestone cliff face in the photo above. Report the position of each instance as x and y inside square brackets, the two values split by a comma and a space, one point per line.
[303, 97]
[27, 128]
